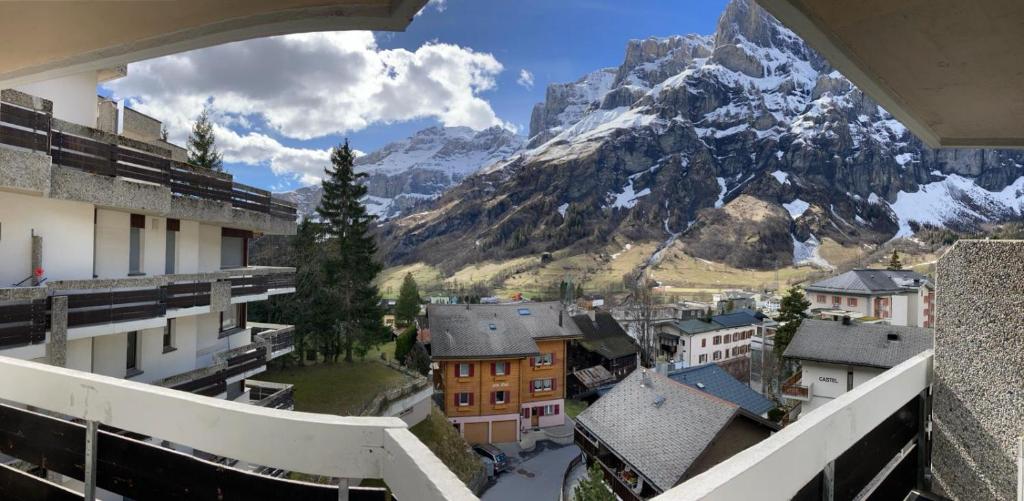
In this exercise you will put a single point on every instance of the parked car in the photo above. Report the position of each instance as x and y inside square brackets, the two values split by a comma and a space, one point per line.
[493, 454]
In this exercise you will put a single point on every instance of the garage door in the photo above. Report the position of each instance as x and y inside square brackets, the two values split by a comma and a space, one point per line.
[475, 433]
[503, 431]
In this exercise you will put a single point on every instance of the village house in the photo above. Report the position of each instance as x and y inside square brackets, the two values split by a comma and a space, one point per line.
[836, 357]
[501, 368]
[650, 433]
[733, 299]
[713, 340]
[901, 297]
[604, 344]
[712, 380]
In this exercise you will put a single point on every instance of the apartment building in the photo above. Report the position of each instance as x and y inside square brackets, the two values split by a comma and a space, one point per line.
[899, 297]
[717, 339]
[501, 368]
[836, 357]
[122, 259]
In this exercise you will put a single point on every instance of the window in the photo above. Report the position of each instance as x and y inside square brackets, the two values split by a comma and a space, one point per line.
[704, 343]
[837, 300]
[499, 369]
[465, 370]
[851, 301]
[717, 340]
[499, 397]
[135, 239]
[132, 358]
[463, 399]
[169, 336]
[727, 338]
[849, 380]
[703, 359]
[544, 359]
[171, 254]
[821, 298]
[550, 410]
[232, 319]
[543, 384]
[717, 355]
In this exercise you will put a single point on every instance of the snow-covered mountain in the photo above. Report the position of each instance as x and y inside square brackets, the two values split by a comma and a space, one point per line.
[421, 167]
[745, 145]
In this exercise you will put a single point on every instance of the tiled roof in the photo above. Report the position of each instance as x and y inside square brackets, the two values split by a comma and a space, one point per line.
[738, 318]
[712, 379]
[604, 335]
[870, 281]
[661, 441]
[492, 330]
[865, 345]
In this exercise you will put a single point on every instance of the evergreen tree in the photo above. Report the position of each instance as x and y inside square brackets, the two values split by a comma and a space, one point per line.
[592, 487]
[404, 344]
[202, 147]
[349, 264]
[311, 304]
[792, 311]
[894, 262]
[408, 305]
[579, 291]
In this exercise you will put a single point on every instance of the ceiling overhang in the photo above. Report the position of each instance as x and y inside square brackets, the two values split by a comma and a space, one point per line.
[951, 71]
[45, 40]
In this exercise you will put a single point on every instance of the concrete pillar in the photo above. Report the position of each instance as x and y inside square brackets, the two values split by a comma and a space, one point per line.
[57, 348]
[37, 257]
[220, 296]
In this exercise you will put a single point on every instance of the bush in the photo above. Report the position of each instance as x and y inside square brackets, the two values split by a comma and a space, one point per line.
[403, 345]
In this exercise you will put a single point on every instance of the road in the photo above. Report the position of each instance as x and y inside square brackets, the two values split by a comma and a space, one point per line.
[535, 476]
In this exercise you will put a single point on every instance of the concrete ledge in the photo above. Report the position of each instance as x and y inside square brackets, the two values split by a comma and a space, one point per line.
[25, 171]
[26, 100]
[80, 186]
[22, 293]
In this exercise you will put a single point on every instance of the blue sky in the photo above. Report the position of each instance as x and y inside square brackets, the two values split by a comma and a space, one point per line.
[276, 137]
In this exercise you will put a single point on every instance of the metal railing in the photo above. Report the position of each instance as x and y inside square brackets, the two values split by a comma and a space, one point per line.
[315, 444]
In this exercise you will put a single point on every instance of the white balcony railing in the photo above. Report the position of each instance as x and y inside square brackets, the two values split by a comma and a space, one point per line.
[778, 467]
[318, 444]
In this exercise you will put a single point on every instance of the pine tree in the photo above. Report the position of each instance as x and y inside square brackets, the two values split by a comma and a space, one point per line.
[202, 147]
[408, 305]
[792, 310]
[579, 290]
[894, 262]
[311, 305]
[349, 266]
[592, 487]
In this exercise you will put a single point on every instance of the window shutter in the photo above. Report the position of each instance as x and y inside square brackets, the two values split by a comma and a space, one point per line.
[540, 410]
[533, 387]
[553, 358]
[470, 371]
[553, 381]
[470, 399]
[494, 397]
[456, 400]
[533, 361]
[494, 370]
[138, 221]
[556, 409]
[456, 366]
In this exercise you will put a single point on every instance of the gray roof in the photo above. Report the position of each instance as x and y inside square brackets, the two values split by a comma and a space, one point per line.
[661, 442]
[870, 281]
[714, 380]
[604, 335]
[865, 345]
[738, 318]
[495, 330]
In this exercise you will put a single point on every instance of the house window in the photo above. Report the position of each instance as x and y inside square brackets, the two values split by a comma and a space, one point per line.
[132, 355]
[171, 254]
[717, 355]
[849, 380]
[550, 410]
[704, 343]
[138, 225]
[500, 398]
[703, 359]
[169, 335]
[851, 301]
[545, 359]
[821, 298]
[543, 384]
[837, 300]
[717, 340]
[463, 399]
[465, 370]
[500, 368]
[727, 338]
[232, 319]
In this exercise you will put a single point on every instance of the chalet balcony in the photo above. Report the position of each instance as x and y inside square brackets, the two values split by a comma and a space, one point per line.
[54, 158]
[91, 431]
[794, 388]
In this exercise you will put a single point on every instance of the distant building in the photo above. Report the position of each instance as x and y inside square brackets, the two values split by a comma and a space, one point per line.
[590, 301]
[897, 297]
[650, 433]
[730, 300]
[712, 380]
[698, 342]
[501, 368]
[836, 357]
[604, 343]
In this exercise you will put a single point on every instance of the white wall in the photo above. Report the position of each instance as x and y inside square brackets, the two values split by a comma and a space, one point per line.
[188, 247]
[66, 228]
[112, 236]
[156, 364]
[73, 96]
[154, 247]
[110, 354]
[80, 354]
[830, 381]
[209, 248]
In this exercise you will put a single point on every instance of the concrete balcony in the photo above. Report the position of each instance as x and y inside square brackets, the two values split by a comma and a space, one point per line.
[794, 389]
[86, 410]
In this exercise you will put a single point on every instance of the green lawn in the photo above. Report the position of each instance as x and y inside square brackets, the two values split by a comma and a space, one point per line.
[574, 407]
[440, 437]
[341, 388]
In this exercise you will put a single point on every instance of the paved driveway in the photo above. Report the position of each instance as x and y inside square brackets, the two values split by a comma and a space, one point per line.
[535, 475]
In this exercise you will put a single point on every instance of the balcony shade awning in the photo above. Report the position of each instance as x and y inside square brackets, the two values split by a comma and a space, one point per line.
[951, 71]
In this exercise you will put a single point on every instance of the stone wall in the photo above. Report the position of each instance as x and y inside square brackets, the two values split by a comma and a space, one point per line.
[978, 407]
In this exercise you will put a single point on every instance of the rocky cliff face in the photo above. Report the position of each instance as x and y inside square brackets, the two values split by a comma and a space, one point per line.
[744, 145]
[405, 173]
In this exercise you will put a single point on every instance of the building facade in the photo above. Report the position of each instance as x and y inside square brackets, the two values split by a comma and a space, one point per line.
[501, 369]
[715, 340]
[900, 297]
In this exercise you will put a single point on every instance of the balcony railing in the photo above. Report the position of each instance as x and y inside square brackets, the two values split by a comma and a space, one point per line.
[23, 322]
[793, 387]
[314, 444]
[272, 395]
[75, 146]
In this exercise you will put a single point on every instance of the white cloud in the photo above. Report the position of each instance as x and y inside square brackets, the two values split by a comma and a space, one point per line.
[525, 78]
[308, 86]
[438, 5]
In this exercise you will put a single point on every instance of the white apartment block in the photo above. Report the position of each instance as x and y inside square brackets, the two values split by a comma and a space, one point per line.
[122, 259]
[697, 342]
[901, 297]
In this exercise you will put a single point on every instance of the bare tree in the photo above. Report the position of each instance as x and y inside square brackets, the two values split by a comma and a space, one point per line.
[640, 310]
